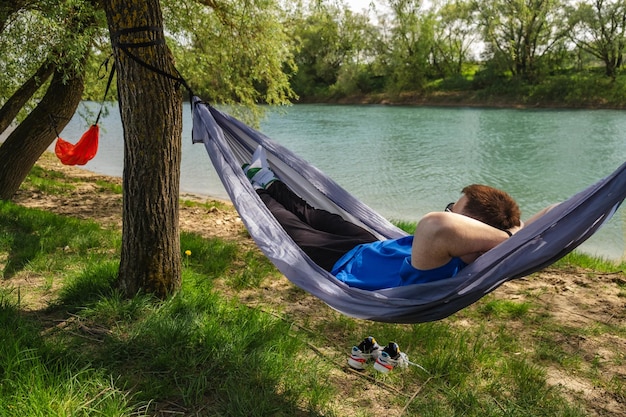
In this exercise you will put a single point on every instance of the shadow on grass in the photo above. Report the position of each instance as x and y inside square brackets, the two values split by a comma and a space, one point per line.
[31, 236]
[94, 351]
[193, 354]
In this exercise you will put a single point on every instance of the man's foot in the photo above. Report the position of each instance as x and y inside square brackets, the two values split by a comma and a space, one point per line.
[260, 177]
[258, 170]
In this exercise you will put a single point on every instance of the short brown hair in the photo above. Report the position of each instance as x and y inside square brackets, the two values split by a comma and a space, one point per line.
[492, 206]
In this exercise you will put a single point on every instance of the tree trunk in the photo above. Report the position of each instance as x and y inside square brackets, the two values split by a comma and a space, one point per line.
[13, 105]
[151, 112]
[32, 137]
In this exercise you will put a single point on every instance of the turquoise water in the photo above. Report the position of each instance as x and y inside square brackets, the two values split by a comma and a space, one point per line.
[407, 161]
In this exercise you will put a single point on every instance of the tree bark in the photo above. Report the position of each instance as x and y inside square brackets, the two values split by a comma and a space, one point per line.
[13, 105]
[32, 137]
[151, 112]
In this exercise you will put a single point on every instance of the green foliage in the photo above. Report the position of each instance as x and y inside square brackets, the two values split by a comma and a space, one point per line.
[56, 31]
[228, 53]
[574, 259]
[97, 70]
[257, 53]
[453, 83]
[454, 35]
[599, 29]
[504, 309]
[254, 270]
[410, 46]
[471, 370]
[333, 48]
[47, 181]
[210, 350]
[531, 53]
[232, 52]
[37, 376]
[209, 257]
[405, 225]
[96, 279]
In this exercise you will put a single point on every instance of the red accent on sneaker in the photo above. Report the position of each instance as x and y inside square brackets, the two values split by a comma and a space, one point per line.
[386, 365]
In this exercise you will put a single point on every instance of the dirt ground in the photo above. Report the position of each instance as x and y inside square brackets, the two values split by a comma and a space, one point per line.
[575, 298]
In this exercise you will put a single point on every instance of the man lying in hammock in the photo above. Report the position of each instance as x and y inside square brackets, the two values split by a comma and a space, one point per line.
[443, 242]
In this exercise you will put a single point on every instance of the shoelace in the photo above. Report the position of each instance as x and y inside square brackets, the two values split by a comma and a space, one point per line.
[405, 359]
[403, 362]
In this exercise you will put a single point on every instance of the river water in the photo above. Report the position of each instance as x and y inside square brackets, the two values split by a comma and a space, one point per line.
[405, 161]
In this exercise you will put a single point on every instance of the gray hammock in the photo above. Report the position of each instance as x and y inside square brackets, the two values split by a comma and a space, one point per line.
[230, 143]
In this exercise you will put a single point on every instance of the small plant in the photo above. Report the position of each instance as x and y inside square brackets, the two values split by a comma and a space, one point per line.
[187, 256]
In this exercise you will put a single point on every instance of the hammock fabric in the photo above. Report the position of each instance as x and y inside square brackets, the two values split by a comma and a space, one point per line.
[230, 143]
[82, 152]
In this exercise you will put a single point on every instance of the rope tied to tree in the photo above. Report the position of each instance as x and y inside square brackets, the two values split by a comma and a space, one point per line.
[105, 64]
[85, 149]
[159, 40]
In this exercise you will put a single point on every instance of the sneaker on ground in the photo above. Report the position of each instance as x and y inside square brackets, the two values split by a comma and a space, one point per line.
[367, 350]
[391, 357]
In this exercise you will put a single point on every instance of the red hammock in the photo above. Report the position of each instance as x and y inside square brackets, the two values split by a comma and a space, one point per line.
[81, 153]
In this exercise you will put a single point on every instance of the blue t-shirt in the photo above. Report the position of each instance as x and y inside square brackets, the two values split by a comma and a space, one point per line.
[387, 264]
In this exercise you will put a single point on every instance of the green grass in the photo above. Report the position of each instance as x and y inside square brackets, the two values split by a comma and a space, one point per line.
[595, 264]
[91, 352]
[41, 378]
[46, 181]
[405, 225]
[196, 349]
[45, 242]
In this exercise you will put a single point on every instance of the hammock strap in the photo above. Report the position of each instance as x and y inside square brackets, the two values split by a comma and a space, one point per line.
[53, 124]
[106, 90]
[105, 64]
[160, 40]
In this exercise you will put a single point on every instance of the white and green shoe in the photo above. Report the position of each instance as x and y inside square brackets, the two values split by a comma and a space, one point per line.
[258, 170]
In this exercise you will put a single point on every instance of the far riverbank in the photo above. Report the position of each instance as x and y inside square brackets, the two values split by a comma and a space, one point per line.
[475, 99]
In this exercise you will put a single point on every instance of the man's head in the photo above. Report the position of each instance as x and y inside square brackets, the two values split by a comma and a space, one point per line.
[489, 205]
